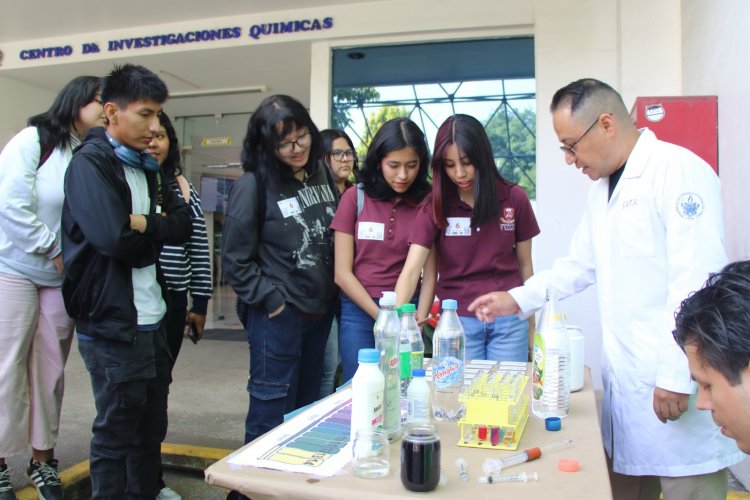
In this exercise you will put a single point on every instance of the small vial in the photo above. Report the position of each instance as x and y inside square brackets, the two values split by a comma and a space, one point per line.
[468, 433]
[461, 465]
[508, 438]
[482, 433]
[494, 436]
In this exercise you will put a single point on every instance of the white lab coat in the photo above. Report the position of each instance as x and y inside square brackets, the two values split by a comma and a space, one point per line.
[647, 248]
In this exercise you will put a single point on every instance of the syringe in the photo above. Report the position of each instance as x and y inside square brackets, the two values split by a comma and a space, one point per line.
[507, 478]
[497, 464]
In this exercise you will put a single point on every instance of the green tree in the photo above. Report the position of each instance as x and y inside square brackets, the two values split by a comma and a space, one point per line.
[374, 122]
[345, 99]
[512, 134]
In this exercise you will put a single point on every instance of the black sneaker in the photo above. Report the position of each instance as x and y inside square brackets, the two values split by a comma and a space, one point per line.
[6, 489]
[44, 477]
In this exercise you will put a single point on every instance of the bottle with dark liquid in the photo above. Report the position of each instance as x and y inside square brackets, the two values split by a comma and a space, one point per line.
[420, 457]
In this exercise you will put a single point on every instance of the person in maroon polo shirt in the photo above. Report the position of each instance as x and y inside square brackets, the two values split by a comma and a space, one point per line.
[481, 226]
[371, 247]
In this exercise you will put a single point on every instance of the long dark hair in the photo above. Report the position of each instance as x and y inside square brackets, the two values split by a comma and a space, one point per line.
[395, 134]
[471, 139]
[172, 166]
[56, 124]
[328, 136]
[262, 138]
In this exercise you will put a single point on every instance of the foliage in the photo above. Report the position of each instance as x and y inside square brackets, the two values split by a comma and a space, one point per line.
[346, 98]
[375, 121]
[514, 145]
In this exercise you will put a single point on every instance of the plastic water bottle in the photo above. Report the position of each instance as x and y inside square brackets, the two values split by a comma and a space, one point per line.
[448, 365]
[550, 396]
[418, 397]
[387, 334]
[411, 346]
[367, 393]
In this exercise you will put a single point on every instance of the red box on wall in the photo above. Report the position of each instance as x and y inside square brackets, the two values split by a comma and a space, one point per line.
[689, 121]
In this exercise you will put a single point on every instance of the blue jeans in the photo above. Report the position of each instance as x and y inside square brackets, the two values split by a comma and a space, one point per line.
[286, 364]
[330, 360]
[130, 382]
[505, 339]
[355, 333]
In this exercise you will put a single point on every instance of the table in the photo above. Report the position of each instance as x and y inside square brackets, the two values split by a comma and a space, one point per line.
[582, 425]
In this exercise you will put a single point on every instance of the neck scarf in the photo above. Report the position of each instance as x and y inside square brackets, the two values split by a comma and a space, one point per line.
[133, 158]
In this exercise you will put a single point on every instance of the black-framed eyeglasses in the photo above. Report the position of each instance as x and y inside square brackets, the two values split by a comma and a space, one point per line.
[287, 148]
[343, 154]
[569, 149]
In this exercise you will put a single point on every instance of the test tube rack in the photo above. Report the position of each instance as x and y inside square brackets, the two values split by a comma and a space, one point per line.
[497, 409]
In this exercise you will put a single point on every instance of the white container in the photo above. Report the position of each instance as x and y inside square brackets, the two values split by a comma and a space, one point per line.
[367, 393]
[418, 398]
[575, 334]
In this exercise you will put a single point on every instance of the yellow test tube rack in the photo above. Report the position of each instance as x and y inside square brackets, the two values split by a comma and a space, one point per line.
[497, 409]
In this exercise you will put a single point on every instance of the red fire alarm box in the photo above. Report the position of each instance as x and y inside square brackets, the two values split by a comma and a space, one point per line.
[689, 121]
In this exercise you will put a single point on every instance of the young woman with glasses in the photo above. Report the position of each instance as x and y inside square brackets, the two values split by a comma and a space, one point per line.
[371, 245]
[481, 227]
[339, 156]
[277, 254]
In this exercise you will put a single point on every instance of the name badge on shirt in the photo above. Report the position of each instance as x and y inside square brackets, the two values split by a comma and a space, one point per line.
[371, 231]
[289, 207]
[458, 226]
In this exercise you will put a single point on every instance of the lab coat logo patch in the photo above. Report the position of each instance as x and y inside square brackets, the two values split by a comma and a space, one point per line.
[690, 205]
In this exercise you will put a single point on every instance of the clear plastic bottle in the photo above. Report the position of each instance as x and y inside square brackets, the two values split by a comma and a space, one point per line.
[411, 346]
[550, 396]
[387, 331]
[367, 393]
[418, 397]
[448, 345]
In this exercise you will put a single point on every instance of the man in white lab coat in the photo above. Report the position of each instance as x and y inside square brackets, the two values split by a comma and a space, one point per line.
[652, 232]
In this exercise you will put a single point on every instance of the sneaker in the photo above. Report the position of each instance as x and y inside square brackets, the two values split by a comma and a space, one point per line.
[44, 477]
[168, 493]
[6, 489]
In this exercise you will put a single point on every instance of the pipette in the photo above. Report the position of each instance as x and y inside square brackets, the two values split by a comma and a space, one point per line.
[497, 464]
[520, 477]
[461, 465]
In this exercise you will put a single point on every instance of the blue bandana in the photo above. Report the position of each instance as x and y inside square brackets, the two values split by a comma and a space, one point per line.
[133, 158]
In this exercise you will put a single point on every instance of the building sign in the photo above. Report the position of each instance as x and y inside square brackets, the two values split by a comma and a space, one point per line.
[212, 142]
[255, 31]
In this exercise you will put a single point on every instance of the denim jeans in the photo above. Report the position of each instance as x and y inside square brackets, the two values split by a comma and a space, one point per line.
[286, 364]
[130, 382]
[505, 339]
[330, 360]
[355, 333]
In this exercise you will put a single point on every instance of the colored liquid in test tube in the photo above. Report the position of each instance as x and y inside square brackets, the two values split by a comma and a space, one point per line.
[482, 433]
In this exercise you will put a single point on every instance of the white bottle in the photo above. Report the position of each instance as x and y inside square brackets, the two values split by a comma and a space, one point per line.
[418, 397]
[387, 331]
[367, 393]
[411, 346]
[550, 374]
[448, 344]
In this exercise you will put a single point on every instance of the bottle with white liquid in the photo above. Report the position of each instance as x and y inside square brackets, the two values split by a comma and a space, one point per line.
[367, 393]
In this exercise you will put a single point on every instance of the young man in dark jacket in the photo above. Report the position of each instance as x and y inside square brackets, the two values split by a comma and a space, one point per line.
[115, 220]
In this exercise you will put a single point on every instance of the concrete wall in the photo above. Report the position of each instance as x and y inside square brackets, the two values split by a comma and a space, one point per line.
[25, 102]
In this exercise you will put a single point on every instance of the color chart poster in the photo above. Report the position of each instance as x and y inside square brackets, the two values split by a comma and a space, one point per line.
[316, 441]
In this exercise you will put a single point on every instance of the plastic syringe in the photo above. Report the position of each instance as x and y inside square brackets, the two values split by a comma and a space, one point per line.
[497, 464]
[521, 477]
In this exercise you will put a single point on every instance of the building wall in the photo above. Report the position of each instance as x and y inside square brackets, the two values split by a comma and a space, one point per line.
[25, 102]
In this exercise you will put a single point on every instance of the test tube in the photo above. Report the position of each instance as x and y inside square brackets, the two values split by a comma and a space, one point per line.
[482, 432]
[494, 436]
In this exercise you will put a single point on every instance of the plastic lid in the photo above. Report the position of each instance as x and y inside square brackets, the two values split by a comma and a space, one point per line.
[408, 308]
[568, 465]
[388, 299]
[417, 372]
[368, 356]
[450, 304]
[552, 423]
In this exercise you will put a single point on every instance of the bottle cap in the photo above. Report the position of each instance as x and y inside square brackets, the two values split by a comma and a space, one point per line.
[388, 299]
[368, 356]
[408, 308]
[417, 372]
[552, 423]
[450, 304]
[569, 465]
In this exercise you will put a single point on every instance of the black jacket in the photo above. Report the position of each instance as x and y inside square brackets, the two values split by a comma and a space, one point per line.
[270, 257]
[99, 248]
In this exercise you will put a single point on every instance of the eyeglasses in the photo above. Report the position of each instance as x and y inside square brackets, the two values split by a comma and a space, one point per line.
[287, 148]
[98, 100]
[342, 154]
[569, 149]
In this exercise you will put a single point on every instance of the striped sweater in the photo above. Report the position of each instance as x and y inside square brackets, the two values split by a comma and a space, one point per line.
[188, 266]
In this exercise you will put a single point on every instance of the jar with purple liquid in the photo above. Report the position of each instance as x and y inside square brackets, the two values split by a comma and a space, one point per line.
[420, 457]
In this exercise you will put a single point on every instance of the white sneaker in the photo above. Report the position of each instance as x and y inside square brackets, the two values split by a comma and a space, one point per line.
[168, 493]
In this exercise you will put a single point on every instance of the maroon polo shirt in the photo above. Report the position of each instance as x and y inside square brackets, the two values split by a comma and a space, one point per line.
[381, 238]
[473, 261]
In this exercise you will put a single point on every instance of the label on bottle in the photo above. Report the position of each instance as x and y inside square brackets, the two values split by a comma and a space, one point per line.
[417, 360]
[537, 371]
[447, 372]
[405, 358]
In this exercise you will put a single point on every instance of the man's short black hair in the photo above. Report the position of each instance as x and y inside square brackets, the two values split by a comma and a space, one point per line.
[130, 83]
[716, 320]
